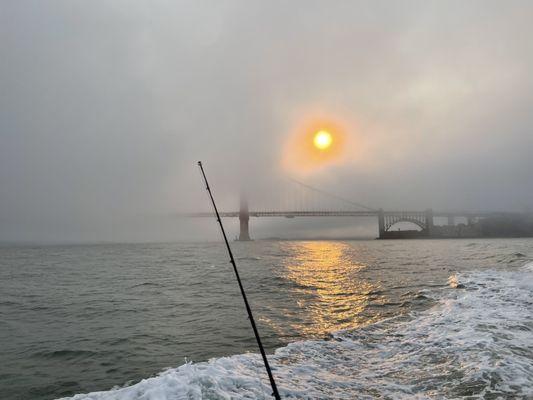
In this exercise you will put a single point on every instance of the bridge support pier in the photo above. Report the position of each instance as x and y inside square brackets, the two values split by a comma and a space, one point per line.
[244, 218]
[429, 222]
[381, 223]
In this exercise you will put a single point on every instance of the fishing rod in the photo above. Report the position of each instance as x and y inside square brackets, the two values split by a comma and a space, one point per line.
[275, 392]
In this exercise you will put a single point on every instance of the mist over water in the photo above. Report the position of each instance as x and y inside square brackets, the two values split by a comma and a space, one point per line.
[106, 108]
[346, 319]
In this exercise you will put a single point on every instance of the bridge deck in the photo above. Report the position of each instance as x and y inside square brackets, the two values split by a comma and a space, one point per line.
[327, 213]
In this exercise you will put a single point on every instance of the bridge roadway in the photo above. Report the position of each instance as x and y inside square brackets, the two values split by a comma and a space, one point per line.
[328, 213]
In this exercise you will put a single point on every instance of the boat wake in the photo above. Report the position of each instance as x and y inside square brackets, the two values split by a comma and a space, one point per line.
[476, 341]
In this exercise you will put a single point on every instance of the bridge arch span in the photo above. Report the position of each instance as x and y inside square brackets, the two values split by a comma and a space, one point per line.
[419, 219]
[413, 221]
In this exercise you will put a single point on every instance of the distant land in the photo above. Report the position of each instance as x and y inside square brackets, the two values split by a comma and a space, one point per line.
[497, 226]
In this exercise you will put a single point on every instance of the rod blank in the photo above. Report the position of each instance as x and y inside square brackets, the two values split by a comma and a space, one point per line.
[275, 392]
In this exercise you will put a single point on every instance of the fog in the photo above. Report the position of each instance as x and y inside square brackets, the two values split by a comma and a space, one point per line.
[105, 108]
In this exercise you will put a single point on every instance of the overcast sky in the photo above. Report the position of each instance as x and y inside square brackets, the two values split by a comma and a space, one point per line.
[106, 106]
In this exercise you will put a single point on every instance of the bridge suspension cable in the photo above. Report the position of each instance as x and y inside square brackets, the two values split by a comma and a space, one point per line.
[332, 195]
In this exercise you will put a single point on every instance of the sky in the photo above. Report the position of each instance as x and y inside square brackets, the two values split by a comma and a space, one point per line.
[106, 106]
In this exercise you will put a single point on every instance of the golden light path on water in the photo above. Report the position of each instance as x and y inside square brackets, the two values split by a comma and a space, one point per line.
[331, 293]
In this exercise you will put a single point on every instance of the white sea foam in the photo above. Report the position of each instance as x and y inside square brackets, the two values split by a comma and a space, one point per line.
[477, 341]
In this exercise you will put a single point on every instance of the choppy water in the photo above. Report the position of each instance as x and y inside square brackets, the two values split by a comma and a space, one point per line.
[345, 320]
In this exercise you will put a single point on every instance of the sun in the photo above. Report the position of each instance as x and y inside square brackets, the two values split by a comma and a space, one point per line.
[322, 140]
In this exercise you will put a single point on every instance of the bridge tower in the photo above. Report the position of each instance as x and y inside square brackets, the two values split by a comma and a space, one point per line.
[381, 223]
[429, 222]
[244, 218]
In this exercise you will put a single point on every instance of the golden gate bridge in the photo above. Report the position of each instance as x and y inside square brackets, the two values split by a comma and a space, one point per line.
[308, 201]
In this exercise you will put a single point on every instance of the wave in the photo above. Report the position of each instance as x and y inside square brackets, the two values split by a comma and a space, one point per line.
[529, 266]
[145, 284]
[477, 341]
[65, 354]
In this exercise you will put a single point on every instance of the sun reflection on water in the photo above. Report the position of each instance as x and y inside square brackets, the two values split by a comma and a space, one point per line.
[328, 287]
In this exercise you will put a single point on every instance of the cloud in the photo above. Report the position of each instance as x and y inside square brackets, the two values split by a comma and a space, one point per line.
[106, 107]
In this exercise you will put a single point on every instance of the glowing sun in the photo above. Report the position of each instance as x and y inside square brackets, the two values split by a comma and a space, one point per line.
[322, 140]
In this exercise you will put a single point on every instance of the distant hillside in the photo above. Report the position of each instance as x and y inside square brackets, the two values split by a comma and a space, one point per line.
[507, 226]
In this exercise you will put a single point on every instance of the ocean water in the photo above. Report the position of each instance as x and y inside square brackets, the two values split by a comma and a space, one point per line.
[435, 319]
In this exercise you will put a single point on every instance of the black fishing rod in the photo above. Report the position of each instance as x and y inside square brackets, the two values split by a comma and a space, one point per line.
[275, 392]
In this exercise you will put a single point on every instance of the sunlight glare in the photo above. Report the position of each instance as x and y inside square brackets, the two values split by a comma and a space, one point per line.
[322, 140]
